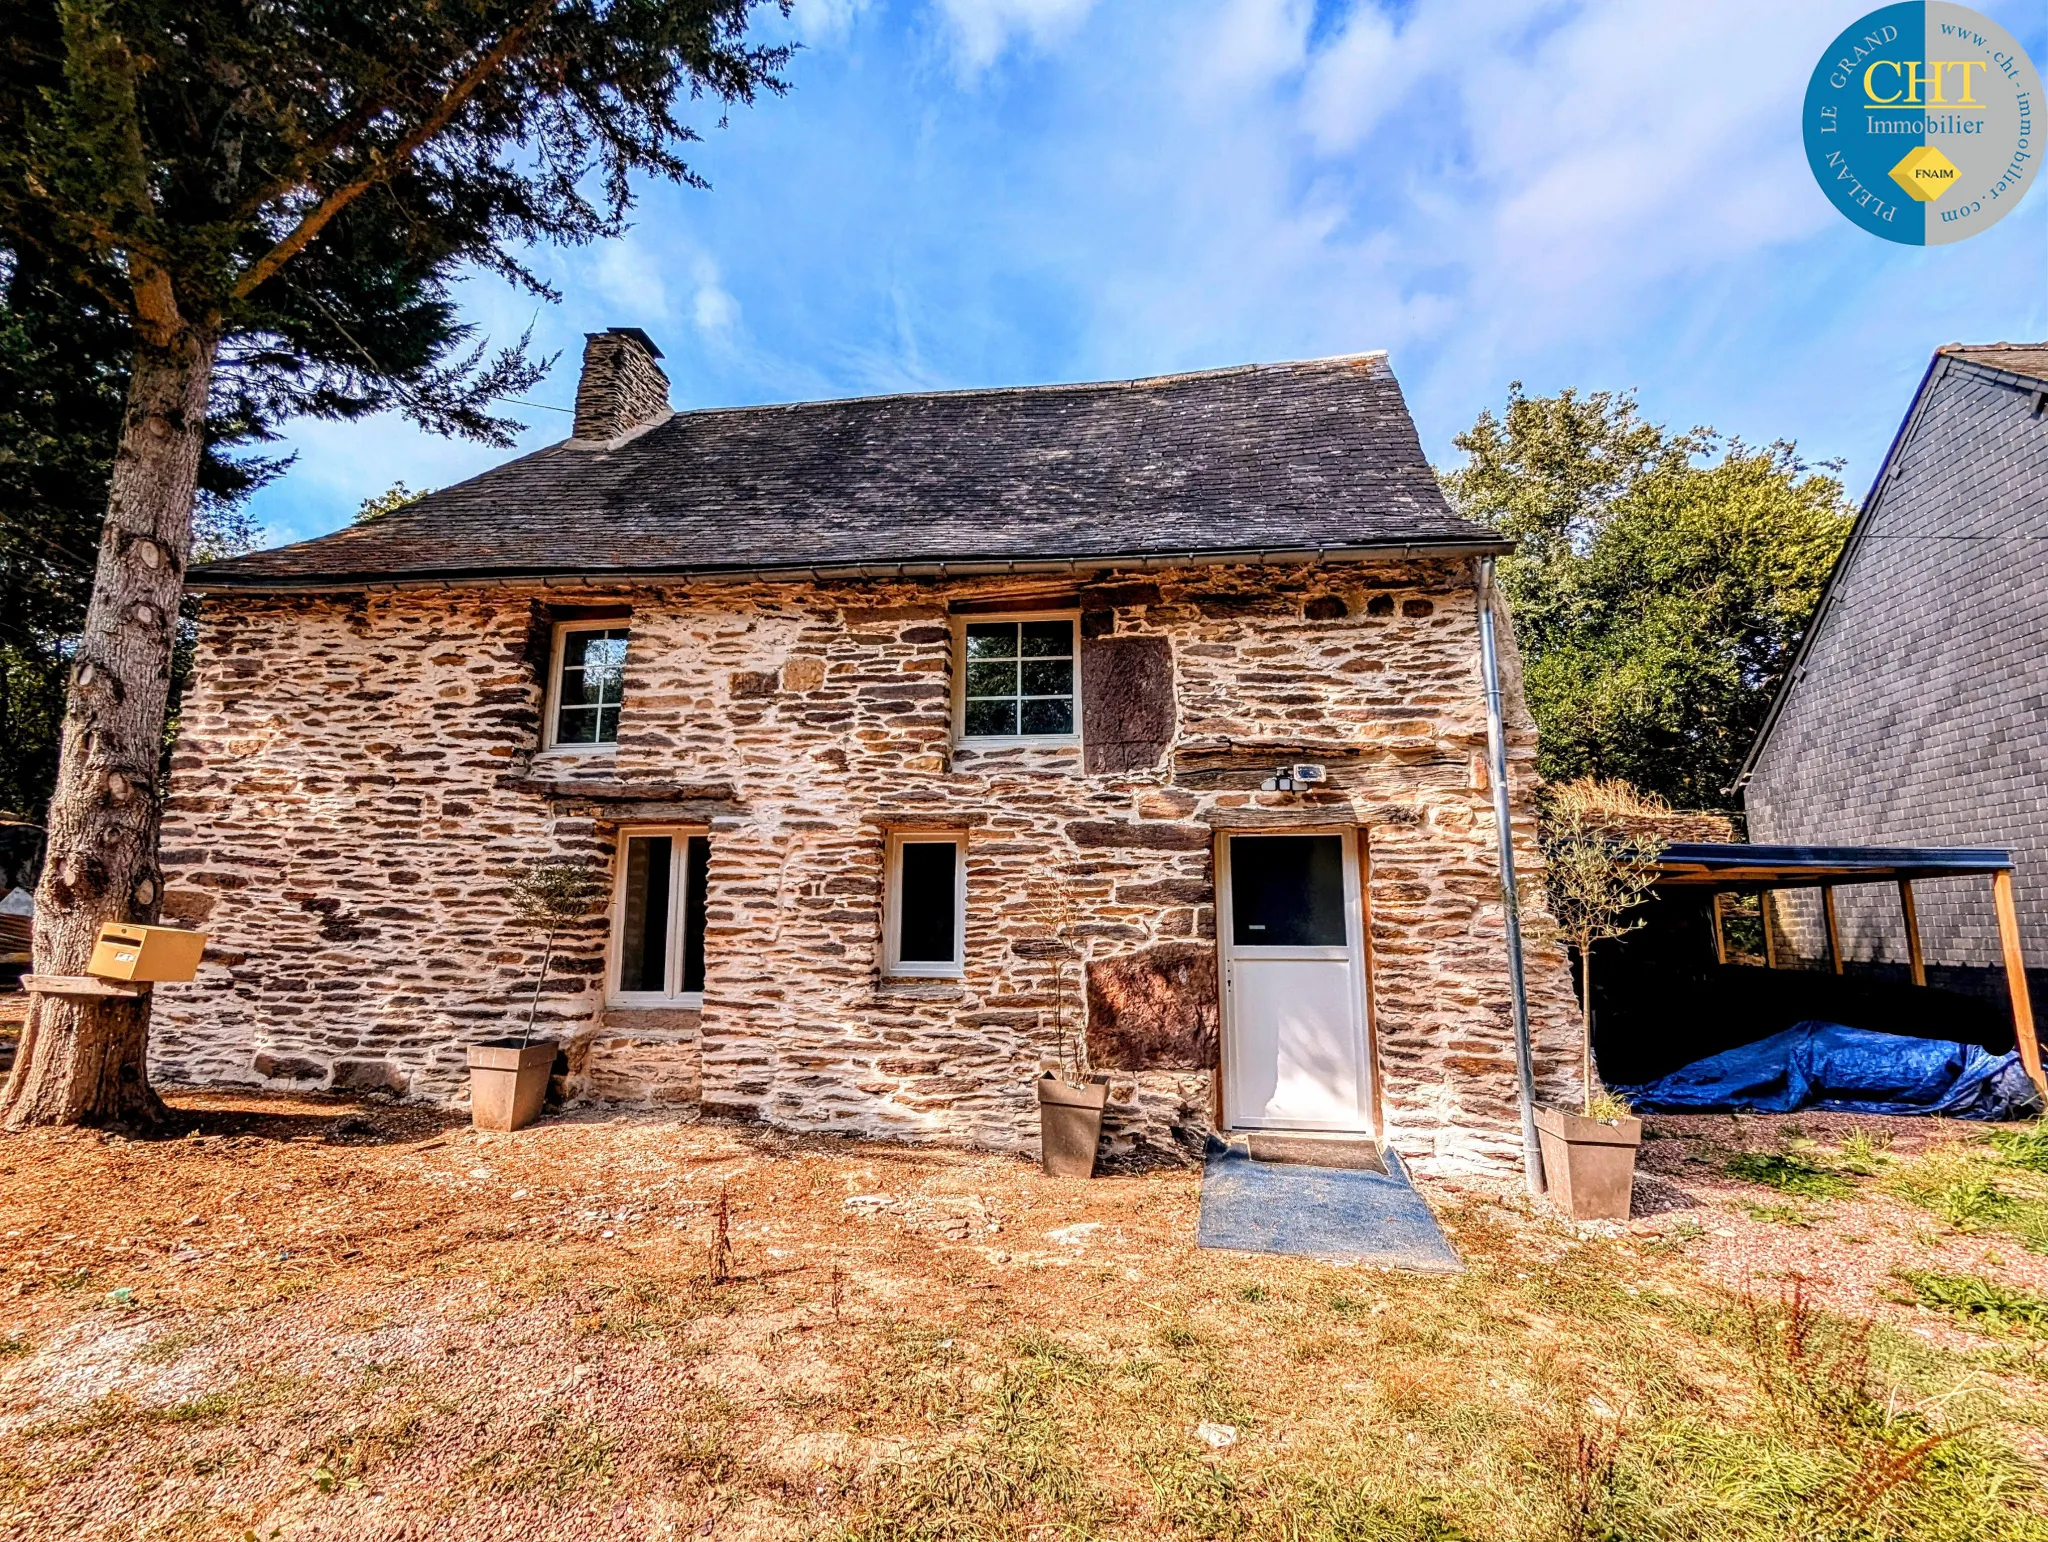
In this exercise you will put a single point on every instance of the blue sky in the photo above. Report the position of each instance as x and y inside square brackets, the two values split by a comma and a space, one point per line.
[1609, 193]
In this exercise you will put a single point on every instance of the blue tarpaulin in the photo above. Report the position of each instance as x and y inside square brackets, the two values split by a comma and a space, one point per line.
[1846, 1070]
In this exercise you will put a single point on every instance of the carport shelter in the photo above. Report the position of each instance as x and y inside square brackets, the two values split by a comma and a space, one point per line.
[1675, 992]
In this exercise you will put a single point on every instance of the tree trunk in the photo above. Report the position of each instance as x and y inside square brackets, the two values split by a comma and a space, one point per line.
[83, 1059]
[1586, 1029]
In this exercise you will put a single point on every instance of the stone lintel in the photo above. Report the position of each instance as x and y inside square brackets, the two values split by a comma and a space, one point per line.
[597, 791]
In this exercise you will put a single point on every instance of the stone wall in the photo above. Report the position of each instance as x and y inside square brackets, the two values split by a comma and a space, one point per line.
[357, 781]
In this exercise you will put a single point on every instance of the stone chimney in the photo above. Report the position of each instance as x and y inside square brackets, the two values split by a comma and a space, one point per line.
[622, 387]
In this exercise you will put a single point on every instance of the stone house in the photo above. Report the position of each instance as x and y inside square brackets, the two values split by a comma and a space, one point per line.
[1916, 713]
[913, 735]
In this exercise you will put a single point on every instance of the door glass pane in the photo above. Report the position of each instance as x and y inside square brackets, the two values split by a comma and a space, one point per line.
[927, 902]
[696, 872]
[1287, 891]
[643, 930]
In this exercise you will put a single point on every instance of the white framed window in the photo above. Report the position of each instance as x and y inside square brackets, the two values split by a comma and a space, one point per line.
[1018, 678]
[657, 953]
[924, 908]
[586, 686]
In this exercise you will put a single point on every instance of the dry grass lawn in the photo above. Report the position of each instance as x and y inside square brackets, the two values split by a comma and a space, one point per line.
[315, 1319]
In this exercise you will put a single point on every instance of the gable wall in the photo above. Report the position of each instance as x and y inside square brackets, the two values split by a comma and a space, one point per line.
[1922, 715]
[348, 803]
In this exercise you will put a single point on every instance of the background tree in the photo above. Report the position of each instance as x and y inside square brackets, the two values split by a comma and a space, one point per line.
[1660, 587]
[63, 380]
[274, 200]
[389, 501]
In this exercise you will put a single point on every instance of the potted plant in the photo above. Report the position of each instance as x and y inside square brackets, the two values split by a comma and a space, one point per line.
[508, 1077]
[1070, 1098]
[1600, 858]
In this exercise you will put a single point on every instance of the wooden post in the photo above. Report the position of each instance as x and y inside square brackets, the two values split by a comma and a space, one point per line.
[2016, 978]
[1914, 958]
[1764, 908]
[1827, 906]
[1720, 936]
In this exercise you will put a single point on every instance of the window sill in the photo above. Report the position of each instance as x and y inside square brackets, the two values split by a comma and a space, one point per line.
[1022, 742]
[573, 752]
[689, 1001]
[912, 987]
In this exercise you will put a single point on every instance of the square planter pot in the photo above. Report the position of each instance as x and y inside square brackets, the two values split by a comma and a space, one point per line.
[1070, 1124]
[508, 1083]
[1589, 1165]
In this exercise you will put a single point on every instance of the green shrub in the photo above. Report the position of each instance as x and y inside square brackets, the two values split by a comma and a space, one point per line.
[1978, 1303]
[2027, 1149]
[1789, 1175]
[1863, 1153]
[1959, 1185]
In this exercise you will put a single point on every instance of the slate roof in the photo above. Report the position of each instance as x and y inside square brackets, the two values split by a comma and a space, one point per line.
[2029, 359]
[1269, 458]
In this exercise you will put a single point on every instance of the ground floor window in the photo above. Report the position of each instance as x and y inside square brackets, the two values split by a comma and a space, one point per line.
[658, 918]
[924, 920]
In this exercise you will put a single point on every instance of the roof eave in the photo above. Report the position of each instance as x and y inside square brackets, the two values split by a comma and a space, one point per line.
[201, 582]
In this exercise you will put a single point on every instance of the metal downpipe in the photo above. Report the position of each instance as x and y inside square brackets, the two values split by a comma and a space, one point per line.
[1510, 897]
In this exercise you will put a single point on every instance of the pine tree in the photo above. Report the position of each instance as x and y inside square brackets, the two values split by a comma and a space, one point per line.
[274, 199]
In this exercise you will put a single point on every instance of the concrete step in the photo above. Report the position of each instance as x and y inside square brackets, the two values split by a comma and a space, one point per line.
[1313, 1149]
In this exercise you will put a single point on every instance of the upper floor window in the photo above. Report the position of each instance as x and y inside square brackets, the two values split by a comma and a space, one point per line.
[1017, 678]
[588, 686]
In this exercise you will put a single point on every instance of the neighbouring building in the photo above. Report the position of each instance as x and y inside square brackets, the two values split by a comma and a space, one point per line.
[912, 734]
[1916, 713]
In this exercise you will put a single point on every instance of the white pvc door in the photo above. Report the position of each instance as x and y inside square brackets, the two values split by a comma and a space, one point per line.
[1295, 1053]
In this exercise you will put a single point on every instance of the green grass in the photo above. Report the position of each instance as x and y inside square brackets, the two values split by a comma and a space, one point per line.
[1975, 1188]
[2025, 1149]
[1864, 1154]
[1432, 1425]
[1789, 1175]
[1978, 1303]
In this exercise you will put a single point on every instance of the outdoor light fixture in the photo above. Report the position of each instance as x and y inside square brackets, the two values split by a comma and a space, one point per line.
[1292, 778]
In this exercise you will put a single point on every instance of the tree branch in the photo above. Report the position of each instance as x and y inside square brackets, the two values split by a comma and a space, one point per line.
[317, 218]
[310, 156]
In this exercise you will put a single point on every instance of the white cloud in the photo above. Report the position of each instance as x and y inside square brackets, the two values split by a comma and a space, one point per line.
[630, 277]
[1353, 82]
[824, 21]
[1599, 192]
[712, 307]
[984, 28]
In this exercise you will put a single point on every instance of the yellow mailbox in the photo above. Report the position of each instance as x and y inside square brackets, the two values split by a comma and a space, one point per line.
[126, 952]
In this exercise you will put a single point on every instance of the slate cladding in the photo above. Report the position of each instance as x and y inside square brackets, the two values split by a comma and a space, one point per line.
[1917, 713]
[1273, 457]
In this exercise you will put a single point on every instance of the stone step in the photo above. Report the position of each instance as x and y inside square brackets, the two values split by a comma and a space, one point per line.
[1315, 1149]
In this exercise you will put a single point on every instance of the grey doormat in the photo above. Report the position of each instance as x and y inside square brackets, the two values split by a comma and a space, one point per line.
[1346, 1215]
